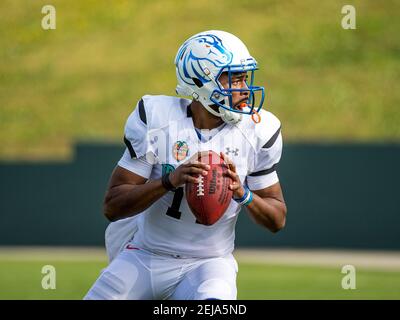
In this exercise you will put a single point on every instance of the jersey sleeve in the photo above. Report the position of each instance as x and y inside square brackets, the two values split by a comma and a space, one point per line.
[135, 135]
[139, 166]
[267, 156]
[136, 139]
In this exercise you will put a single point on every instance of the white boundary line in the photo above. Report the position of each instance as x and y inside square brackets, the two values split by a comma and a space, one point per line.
[376, 260]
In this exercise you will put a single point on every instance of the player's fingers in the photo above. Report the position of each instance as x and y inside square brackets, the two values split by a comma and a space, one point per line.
[197, 164]
[234, 186]
[224, 157]
[229, 174]
[202, 166]
[232, 166]
[228, 161]
[233, 175]
[189, 178]
[195, 170]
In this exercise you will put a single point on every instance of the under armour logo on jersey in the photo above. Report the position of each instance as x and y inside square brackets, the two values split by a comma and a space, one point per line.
[233, 151]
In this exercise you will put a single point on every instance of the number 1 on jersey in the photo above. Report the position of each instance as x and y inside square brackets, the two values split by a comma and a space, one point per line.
[173, 210]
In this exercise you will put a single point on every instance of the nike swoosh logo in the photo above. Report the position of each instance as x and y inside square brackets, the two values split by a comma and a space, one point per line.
[130, 247]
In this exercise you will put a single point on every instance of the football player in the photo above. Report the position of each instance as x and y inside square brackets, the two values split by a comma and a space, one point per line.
[156, 248]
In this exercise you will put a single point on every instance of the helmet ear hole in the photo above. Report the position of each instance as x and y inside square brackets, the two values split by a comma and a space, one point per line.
[197, 82]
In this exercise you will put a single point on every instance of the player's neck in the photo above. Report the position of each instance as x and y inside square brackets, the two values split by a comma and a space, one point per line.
[203, 119]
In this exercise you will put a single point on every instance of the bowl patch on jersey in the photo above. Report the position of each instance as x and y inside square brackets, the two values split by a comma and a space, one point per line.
[180, 150]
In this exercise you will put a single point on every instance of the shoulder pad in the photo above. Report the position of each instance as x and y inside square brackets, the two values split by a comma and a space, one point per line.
[264, 133]
[160, 110]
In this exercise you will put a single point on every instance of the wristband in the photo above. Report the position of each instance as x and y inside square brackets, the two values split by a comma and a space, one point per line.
[246, 191]
[167, 183]
[246, 203]
[247, 197]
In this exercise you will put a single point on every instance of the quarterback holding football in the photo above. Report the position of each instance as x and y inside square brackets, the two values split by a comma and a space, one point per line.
[189, 167]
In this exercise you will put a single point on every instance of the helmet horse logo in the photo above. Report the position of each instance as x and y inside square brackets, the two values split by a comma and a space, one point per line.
[209, 48]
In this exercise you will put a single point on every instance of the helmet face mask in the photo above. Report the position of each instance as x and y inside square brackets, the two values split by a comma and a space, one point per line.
[201, 61]
[227, 93]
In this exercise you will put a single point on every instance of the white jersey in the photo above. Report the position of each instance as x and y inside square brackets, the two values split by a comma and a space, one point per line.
[160, 136]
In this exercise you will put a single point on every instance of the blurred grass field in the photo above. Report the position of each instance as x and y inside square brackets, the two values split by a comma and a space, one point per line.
[81, 81]
[20, 278]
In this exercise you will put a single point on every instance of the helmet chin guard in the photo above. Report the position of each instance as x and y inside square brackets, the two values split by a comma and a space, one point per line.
[230, 117]
[202, 59]
[226, 115]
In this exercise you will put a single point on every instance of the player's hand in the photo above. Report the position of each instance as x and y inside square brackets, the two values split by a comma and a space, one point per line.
[186, 171]
[236, 186]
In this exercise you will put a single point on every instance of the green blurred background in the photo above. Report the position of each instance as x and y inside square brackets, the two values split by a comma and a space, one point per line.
[81, 81]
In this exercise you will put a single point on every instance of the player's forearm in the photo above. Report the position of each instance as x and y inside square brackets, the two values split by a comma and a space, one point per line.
[128, 200]
[268, 212]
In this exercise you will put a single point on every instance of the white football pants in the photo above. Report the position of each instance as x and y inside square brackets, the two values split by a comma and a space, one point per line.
[140, 274]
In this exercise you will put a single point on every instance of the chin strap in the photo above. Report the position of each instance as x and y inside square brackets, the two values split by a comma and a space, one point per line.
[212, 111]
[230, 117]
[226, 115]
[255, 116]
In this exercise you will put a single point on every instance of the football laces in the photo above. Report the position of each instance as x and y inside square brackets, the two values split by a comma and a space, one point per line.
[200, 186]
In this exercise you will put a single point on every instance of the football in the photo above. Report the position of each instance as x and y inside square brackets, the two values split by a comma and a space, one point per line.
[210, 197]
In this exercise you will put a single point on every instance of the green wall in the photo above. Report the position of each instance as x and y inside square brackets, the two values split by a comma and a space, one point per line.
[338, 196]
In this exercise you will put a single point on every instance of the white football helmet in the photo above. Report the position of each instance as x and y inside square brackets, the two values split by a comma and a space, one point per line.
[199, 63]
